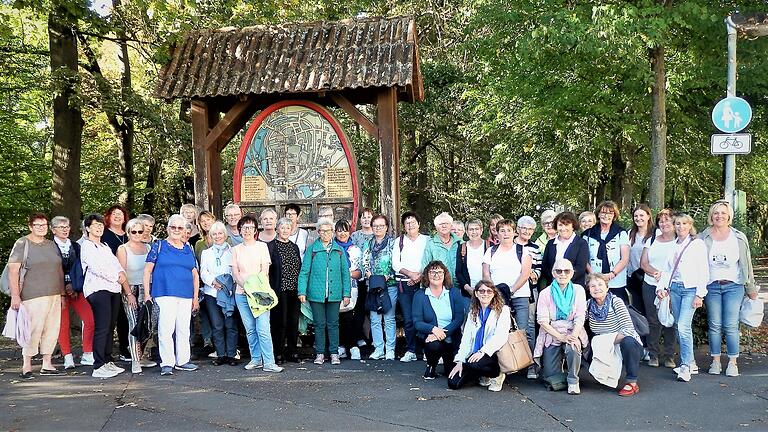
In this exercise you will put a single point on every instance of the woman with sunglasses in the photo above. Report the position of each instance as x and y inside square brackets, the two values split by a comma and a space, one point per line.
[485, 332]
[133, 258]
[172, 281]
[561, 311]
[377, 261]
[438, 312]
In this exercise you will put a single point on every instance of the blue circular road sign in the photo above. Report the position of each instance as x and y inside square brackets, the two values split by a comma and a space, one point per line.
[732, 114]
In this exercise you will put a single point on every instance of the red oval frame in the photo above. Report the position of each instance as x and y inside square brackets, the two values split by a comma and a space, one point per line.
[336, 128]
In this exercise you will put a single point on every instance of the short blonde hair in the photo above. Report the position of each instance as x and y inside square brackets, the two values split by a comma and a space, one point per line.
[687, 218]
[444, 217]
[717, 204]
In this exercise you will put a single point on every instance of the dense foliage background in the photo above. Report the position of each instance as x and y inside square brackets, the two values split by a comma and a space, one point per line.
[529, 103]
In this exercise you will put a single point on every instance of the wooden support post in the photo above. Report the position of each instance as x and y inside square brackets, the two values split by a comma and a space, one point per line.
[356, 115]
[200, 129]
[389, 156]
[213, 168]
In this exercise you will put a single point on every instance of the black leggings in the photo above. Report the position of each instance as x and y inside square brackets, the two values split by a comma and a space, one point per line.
[284, 324]
[105, 305]
[485, 367]
[436, 349]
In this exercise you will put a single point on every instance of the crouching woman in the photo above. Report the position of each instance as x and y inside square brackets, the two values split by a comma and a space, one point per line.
[485, 332]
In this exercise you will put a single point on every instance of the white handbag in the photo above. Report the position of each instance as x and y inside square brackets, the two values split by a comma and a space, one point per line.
[664, 311]
[752, 312]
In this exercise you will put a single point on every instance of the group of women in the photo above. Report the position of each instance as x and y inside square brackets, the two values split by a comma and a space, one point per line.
[459, 299]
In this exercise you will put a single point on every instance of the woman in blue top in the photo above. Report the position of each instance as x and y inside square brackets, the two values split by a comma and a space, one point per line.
[171, 280]
[438, 312]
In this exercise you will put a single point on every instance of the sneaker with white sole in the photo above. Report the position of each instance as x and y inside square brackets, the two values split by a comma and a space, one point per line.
[495, 384]
[354, 353]
[732, 370]
[484, 381]
[335, 360]
[684, 373]
[114, 367]
[188, 367]
[342, 353]
[532, 372]
[148, 363]
[69, 362]
[166, 370]
[123, 358]
[319, 359]
[408, 357]
[213, 354]
[574, 389]
[104, 372]
[693, 369]
[377, 355]
[237, 355]
[390, 355]
[135, 368]
[273, 368]
[715, 368]
[254, 365]
[86, 359]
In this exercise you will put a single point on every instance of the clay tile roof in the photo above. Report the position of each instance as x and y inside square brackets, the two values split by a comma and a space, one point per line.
[294, 58]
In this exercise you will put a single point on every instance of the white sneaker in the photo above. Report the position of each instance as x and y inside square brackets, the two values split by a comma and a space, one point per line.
[390, 355]
[254, 365]
[495, 384]
[104, 372]
[114, 367]
[135, 368]
[237, 355]
[485, 381]
[148, 363]
[354, 353]
[684, 373]
[272, 368]
[342, 353]
[732, 370]
[440, 361]
[693, 369]
[69, 362]
[86, 359]
[377, 355]
[361, 343]
[574, 389]
[213, 355]
[408, 357]
[715, 368]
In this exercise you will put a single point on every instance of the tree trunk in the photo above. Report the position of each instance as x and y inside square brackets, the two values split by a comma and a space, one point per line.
[67, 117]
[126, 132]
[619, 169]
[658, 129]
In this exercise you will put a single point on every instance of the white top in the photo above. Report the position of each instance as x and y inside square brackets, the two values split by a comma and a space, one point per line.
[724, 260]
[135, 264]
[495, 334]
[505, 268]
[354, 264]
[614, 256]
[475, 263]
[101, 268]
[562, 245]
[658, 257]
[692, 270]
[214, 262]
[300, 239]
[635, 252]
[410, 257]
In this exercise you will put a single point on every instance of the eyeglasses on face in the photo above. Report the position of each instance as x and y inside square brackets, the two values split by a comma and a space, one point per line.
[484, 291]
[291, 213]
[61, 227]
[175, 227]
[526, 229]
[137, 232]
[378, 226]
[563, 271]
[40, 225]
[247, 228]
[436, 272]
[325, 231]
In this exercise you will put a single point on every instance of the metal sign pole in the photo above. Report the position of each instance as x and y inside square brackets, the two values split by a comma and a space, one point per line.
[730, 159]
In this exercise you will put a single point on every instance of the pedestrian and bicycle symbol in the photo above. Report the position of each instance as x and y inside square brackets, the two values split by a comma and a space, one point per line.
[732, 114]
[722, 144]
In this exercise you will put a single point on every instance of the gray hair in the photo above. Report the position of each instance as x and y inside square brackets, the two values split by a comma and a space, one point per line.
[218, 226]
[190, 206]
[58, 220]
[323, 222]
[174, 218]
[527, 221]
[477, 222]
[323, 208]
[444, 216]
[563, 263]
[457, 223]
[268, 210]
[132, 223]
[232, 207]
[146, 218]
[548, 214]
[283, 221]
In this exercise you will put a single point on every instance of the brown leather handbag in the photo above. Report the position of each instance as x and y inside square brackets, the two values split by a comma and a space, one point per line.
[515, 354]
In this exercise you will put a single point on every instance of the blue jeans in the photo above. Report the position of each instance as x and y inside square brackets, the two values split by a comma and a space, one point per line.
[405, 298]
[223, 328]
[519, 308]
[631, 352]
[257, 331]
[723, 306]
[389, 325]
[683, 310]
[326, 318]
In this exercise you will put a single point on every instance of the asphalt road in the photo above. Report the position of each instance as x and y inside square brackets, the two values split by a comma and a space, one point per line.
[373, 395]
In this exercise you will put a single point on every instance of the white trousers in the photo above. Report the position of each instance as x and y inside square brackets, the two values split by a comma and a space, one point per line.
[175, 314]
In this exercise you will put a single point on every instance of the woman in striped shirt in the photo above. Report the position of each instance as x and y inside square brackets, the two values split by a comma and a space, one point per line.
[607, 313]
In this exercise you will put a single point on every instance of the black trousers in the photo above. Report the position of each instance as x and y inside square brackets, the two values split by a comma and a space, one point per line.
[347, 333]
[284, 324]
[436, 349]
[360, 312]
[485, 367]
[105, 305]
[122, 330]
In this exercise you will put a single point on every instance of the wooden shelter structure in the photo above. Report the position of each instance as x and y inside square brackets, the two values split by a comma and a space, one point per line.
[230, 74]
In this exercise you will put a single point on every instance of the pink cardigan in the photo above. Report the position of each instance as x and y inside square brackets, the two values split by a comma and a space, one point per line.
[546, 311]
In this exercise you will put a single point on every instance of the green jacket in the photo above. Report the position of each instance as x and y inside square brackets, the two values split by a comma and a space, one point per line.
[745, 257]
[324, 275]
[437, 251]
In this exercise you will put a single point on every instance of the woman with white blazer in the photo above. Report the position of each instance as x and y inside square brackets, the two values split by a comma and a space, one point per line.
[687, 287]
[485, 332]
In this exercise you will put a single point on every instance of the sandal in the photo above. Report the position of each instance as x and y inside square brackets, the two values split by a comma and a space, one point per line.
[629, 389]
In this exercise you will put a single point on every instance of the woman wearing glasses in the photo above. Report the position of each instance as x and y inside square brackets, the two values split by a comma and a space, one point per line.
[609, 249]
[438, 312]
[172, 271]
[485, 332]
[133, 257]
[561, 311]
[377, 261]
[40, 292]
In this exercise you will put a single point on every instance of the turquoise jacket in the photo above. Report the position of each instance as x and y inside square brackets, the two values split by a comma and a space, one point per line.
[324, 275]
[437, 251]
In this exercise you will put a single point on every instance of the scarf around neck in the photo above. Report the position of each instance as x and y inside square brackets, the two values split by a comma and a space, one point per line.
[602, 250]
[599, 313]
[482, 315]
[563, 299]
[345, 247]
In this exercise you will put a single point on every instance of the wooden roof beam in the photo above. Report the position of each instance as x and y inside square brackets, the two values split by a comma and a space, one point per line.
[356, 115]
[232, 122]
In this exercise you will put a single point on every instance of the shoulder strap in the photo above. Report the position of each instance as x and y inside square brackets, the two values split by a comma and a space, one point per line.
[26, 252]
[464, 249]
[677, 262]
[494, 248]
[519, 249]
[402, 238]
